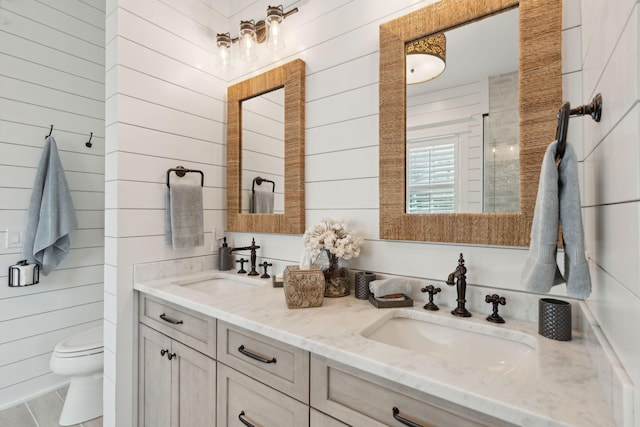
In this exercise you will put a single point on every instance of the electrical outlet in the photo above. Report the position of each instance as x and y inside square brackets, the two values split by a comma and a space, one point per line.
[15, 238]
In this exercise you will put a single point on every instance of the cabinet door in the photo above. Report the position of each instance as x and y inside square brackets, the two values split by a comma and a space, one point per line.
[154, 378]
[194, 388]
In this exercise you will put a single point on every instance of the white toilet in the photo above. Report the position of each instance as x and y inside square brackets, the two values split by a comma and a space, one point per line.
[81, 357]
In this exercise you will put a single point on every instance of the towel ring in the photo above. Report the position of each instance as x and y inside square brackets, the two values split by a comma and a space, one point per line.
[259, 180]
[182, 171]
[593, 109]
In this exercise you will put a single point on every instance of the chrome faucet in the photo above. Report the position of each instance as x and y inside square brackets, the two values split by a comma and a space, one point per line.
[459, 278]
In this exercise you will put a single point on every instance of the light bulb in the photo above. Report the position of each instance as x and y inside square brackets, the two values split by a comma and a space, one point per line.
[224, 51]
[247, 41]
[275, 39]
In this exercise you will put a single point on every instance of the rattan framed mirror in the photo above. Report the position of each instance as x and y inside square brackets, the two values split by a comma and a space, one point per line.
[291, 77]
[540, 94]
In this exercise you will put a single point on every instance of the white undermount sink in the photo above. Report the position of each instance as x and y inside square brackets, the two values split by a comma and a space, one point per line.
[216, 282]
[488, 347]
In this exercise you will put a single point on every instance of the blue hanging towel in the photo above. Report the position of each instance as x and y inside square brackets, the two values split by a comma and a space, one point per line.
[51, 216]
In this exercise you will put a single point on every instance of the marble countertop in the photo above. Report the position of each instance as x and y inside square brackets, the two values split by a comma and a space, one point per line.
[563, 391]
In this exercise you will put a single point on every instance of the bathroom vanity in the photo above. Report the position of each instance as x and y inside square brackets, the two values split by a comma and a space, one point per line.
[211, 337]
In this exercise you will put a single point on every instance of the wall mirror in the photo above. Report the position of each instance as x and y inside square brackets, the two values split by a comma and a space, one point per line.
[267, 144]
[402, 124]
[263, 153]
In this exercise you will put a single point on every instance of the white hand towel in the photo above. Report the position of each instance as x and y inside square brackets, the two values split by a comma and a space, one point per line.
[184, 225]
[380, 288]
[558, 199]
[51, 216]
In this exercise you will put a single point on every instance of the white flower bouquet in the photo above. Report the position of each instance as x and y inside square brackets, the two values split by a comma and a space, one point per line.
[333, 237]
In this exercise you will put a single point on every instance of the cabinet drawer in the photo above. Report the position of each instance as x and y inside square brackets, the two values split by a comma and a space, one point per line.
[318, 419]
[240, 397]
[193, 329]
[361, 399]
[279, 365]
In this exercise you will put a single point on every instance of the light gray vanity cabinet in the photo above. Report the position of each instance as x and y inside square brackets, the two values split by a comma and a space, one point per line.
[361, 399]
[176, 383]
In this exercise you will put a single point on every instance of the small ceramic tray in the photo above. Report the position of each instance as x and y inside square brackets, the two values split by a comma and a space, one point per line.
[407, 302]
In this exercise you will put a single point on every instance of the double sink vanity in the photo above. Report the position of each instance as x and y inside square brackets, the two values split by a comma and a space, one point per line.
[224, 347]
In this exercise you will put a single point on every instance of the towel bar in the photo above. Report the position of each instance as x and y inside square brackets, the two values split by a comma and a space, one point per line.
[182, 171]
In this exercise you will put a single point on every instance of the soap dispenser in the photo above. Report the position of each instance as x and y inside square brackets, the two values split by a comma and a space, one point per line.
[225, 257]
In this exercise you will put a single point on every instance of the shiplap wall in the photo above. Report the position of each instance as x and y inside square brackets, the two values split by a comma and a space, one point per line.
[51, 72]
[611, 169]
[164, 107]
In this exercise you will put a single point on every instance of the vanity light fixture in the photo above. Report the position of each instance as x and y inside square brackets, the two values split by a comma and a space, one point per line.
[426, 58]
[251, 34]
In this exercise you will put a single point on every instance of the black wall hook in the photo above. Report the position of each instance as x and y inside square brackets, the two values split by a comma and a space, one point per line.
[88, 143]
[50, 132]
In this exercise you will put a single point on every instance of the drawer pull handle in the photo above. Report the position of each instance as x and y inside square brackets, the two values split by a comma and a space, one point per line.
[163, 352]
[397, 417]
[255, 356]
[171, 356]
[243, 420]
[171, 319]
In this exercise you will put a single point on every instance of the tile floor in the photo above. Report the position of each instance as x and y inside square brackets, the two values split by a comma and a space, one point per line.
[43, 411]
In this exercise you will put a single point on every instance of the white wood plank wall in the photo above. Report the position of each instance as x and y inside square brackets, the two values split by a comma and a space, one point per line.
[165, 106]
[51, 72]
[611, 177]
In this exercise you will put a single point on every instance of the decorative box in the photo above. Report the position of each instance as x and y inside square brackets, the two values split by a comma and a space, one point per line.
[303, 288]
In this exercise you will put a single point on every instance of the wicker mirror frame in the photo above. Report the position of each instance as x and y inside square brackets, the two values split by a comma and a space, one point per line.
[540, 95]
[291, 77]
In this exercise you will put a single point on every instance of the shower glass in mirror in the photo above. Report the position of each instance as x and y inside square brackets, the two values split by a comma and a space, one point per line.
[263, 153]
[462, 127]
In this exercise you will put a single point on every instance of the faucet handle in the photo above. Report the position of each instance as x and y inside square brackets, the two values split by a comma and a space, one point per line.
[241, 261]
[265, 265]
[432, 291]
[495, 299]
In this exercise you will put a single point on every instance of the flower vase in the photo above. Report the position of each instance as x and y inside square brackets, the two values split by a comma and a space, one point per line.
[336, 279]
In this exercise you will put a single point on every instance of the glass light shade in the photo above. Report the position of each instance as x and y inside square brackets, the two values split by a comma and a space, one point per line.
[247, 40]
[224, 51]
[426, 58]
[275, 39]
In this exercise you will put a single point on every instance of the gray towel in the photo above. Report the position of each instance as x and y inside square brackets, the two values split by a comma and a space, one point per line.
[262, 202]
[51, 214]
[558, 201]
[184, 226]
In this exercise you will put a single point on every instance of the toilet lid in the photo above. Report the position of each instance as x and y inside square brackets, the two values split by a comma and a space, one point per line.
[90, 339]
